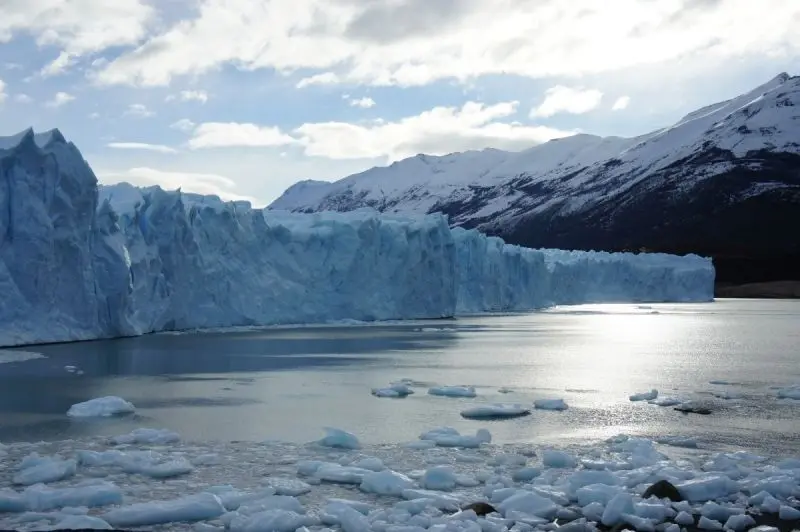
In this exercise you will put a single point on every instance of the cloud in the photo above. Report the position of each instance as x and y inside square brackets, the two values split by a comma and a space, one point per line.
[94, 115]
[221, 135]
[365, 102]
[561, 99]
[326, 78]
[61, 98]
[438, 131]
[3, 93]
[413, 42]
[198, 183]
[160, 148]
[184, 124]
[58, 65]
[188, 96]
[621, 103]
[22, 98]
[77, 27]
[138, 110]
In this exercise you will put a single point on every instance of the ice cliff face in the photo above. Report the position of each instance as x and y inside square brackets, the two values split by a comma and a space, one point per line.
[78, 263]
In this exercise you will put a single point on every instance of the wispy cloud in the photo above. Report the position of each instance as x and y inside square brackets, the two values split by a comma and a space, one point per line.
[189, 96]
[364, 103]
[160, 148]
[22, 98]
[3, 94]
[621, 103]
[561, 99]
[61, 98]
[184, 124]
[138, 110]
[220, 135]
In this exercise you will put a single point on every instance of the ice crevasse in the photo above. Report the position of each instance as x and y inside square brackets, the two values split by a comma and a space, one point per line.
[81, 261]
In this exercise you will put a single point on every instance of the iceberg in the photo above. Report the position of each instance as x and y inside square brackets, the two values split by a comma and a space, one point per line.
[81, 262]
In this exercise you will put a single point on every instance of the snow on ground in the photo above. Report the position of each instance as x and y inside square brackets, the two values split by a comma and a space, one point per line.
[391, 488]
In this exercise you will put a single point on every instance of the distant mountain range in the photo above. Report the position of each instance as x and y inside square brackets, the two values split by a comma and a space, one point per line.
[724, 181]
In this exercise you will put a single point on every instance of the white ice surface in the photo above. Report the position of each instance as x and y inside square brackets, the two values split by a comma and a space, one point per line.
[453, 391]
[415, 490]
[495, 411]
[550, 404]
[645, 396]
[79, 264]
[8, 356]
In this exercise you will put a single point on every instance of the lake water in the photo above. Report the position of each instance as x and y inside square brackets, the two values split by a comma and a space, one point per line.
[287, 384]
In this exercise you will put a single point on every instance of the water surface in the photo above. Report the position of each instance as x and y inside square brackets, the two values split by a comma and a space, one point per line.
[288, 383]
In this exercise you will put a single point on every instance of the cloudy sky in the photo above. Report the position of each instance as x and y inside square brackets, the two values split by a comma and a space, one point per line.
[244, 97]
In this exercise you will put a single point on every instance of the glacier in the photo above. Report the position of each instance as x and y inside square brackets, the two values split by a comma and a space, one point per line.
[80, 261]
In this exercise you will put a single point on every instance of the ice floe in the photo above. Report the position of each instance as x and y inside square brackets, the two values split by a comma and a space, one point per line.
[496, 411]
[453, 391]
[101, 407]
[644, 396]
[550, 404]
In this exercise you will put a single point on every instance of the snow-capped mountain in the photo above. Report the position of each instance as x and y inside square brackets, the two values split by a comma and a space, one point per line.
[689, 187]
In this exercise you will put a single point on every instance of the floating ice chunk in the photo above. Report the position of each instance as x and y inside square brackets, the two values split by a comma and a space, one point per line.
[526, 474]
[191, 508]
[453, 391]
[582, 479]
[450, 437]
[339, 439]
[310, 467]
[678, 441]
[170, 468]
[496, 411]
[50, 470]
[101, 407]
[395, 389]
[665, 401]
[505, 389]
[644, 396]
[81, 522]
[508, 459]
[288, 486]
[437, 499]
[599, 493]
[370, 462]
[272, 502]
[550, 404]
[91, 494]
[708, 524]
[707, 488]
[789, 463]
[720, 513]
[233, 498]
[770, 505]
[387, 482]
[339, 474]
[727, 394]
[9, 356]
[684, 519]
[655, 512]
[439, 478]
[558, 459]
[529, 503]
[11, 501]
[147, 436]
[621, 504]
[739, 522]
[788, 513]
[777, 486]
[268, 521]
[639, 523]
[359, 506]
[791, 392]
[349, 519]
[467, 481]
[593, 511]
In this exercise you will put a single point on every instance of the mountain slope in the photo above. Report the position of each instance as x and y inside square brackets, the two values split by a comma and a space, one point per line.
[724, 181]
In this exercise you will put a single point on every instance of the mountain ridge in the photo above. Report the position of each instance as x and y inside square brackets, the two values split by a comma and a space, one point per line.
[688, 187]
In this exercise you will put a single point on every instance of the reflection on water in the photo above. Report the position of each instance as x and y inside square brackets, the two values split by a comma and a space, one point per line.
[288, 383]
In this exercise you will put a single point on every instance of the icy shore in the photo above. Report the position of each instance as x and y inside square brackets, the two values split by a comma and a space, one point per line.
[80, 263]
[165, 484]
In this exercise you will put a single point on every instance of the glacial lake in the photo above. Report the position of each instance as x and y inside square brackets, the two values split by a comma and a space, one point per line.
[288, 383]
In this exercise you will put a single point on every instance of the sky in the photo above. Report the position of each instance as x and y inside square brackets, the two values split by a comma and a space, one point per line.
[242, 98]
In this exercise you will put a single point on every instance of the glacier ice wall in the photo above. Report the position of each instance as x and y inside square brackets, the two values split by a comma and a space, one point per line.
[80, 263]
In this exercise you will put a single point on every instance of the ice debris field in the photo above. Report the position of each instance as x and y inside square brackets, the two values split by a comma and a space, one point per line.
[151, 478]
[83, 262]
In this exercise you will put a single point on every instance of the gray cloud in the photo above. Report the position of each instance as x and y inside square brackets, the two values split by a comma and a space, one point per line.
[384, 22]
